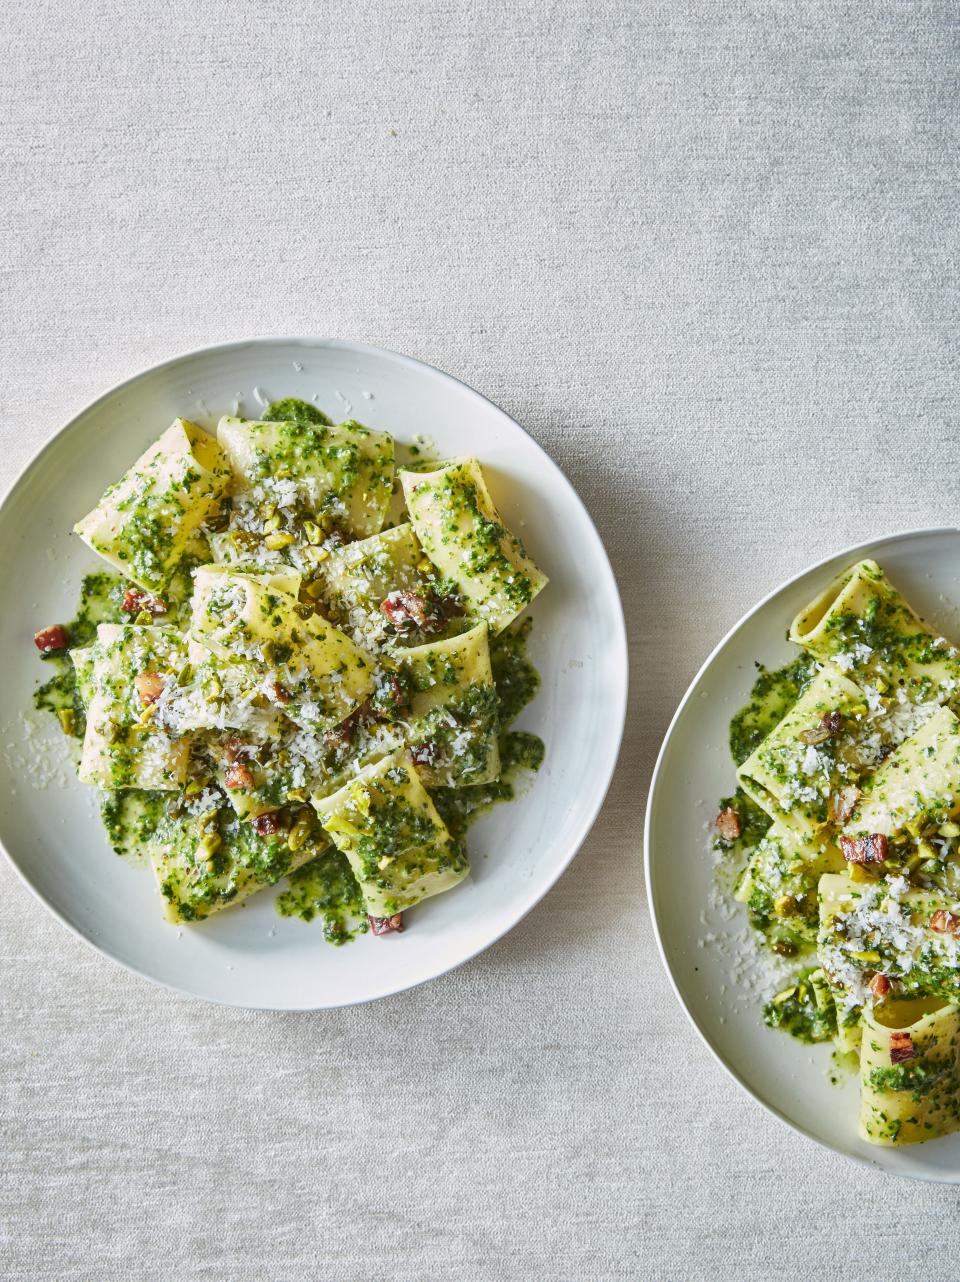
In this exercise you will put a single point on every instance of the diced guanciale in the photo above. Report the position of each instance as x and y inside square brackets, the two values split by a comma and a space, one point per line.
[343, 733]
[944, 922]
[728, 824]
[235, 748]
[424, 754]
[238, 776]
[49, 640]
[844, 803]
[266, 825]
[391, 699]
[865, 850]
[901, 1048]
[386, 925]
[879, 985]
[135, 600]
[405, 609]
[410, 610]
[149, 686]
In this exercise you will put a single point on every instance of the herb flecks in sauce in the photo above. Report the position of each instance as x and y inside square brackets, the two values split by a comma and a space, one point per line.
[101, 596]
[461, 807]
[131, 818]
[292, 410]
[774, 692]
[805, 1010]
[325, 889]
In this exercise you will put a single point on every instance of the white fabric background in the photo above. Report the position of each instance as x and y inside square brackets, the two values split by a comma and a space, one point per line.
[706, 253]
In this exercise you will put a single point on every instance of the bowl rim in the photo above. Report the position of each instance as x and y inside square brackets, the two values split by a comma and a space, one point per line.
[852, 553]
[612, 591]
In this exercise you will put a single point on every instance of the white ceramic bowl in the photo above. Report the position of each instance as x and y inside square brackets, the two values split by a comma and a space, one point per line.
[250, 956]
[693, 771]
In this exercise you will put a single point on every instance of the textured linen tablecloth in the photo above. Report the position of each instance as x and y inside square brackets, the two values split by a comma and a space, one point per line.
[706, 254]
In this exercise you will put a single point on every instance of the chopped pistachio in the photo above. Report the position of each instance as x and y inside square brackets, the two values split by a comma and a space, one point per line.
[337, 823]
[67, 719]
[299, 833]
[312, 531]
[360, 798]
[821, 989]
[218, 521]
[271, 524]
[210, 843]
[277, 541]
[861, 872]
[784, 995]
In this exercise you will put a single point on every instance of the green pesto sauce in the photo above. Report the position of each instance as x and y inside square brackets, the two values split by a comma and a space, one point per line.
[515, 677]
[801, 1015]
[458, 503]
[325, 888]
[917, 1077]
[460, 733]
[773, 693]
[890, 629]
[238, 858]
[517, 682]
[461, 807]
[131, 817]
[292, 410]
[100, 597]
